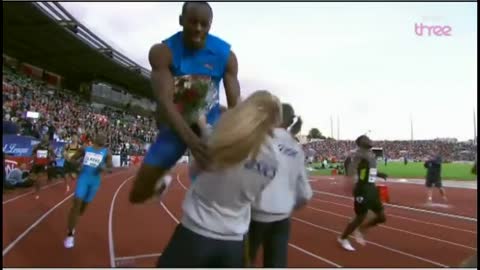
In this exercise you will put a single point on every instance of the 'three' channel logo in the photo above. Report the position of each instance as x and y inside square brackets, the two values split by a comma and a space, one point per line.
[433, 26]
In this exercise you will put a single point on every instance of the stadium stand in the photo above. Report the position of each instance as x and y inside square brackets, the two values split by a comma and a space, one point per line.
[394, 150]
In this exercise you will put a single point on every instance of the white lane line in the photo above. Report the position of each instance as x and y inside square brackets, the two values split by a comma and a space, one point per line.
[40, 219]
[28, 193]
[180, 182]
[399, 230]
[169, 213]
[138, 257]
[21, 236]
[402, 217]
[404, 207]
[372, 243]
[110, 219]
[291, 245]
[314, 255]
[45, 187]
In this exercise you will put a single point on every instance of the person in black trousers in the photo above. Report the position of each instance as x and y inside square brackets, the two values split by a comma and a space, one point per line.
[434, 178]
[270, 224]
[123, 157]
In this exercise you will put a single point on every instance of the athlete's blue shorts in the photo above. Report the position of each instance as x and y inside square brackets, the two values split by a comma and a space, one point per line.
[168, 147]
[87, 187]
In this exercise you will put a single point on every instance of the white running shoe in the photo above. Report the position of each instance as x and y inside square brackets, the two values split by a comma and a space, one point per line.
[345, 244]
[37, 197]
[69, 242]
[162, 185]
[359, 237]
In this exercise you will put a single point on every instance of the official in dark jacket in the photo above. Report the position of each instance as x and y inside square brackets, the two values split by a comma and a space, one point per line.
[434, 177]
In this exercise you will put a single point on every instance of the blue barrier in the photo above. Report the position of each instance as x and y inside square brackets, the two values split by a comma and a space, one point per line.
[22, 146]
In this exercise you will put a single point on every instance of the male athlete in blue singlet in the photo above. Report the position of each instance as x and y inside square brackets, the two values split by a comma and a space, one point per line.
[95, 158]
[186, 72]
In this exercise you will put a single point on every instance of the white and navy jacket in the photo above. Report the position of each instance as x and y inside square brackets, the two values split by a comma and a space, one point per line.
[218, 204]
[290, 188]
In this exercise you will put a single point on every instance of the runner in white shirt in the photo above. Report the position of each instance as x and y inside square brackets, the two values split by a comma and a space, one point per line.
[216, 209]
[270, 225]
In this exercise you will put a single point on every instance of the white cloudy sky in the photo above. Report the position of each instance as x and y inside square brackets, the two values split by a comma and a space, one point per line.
[359, 62]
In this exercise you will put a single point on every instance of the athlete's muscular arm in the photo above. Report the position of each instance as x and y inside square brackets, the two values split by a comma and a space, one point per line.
[353, 167]
[230, 81]
[382, 175]
[352, 170]
[160, 59]
[80, 152]
[109, 163]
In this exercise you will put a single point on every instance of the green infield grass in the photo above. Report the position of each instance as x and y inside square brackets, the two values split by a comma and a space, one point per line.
[415, 170]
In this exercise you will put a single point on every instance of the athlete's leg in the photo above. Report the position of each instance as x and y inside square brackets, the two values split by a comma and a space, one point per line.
[379, 218]
[40, 177]
[70, 178]
[438, 185]
[67, 182]
[34, 177]
[361, 211]
[83, 207]
[73, 215]
[374, 204]
[81, 194]
[93, 186]
[67, 177]
[161, 157]
[351, 228]
[429, 186]
[36, 184]
[353, 225]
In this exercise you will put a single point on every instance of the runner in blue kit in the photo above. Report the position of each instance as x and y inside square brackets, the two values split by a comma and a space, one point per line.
[95, 158]
[186, 72]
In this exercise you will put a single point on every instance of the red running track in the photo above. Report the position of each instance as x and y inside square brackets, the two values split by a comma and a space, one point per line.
[114, 233]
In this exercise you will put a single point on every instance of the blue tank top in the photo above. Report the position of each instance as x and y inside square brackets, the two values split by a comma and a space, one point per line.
[207, 66]
[93, 160]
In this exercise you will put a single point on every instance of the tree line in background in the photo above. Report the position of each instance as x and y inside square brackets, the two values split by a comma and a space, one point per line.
[315, 133]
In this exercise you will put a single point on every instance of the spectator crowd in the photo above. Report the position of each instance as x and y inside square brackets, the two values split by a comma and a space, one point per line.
[413, 150]
[63, 114]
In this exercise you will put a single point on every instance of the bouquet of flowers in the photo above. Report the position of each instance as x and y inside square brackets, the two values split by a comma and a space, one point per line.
[191, 96]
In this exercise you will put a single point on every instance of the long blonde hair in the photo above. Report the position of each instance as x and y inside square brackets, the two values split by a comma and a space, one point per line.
[242, 130]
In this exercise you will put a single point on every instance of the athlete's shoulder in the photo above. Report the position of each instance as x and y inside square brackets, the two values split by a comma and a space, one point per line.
[216, 42]
[172, 42]
[173, 37]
